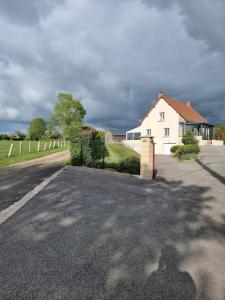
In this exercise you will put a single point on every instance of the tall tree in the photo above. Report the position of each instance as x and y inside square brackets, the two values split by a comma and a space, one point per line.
[37, 128]
[67, 112]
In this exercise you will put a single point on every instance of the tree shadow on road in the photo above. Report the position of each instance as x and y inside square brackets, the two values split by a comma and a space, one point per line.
[96, 235]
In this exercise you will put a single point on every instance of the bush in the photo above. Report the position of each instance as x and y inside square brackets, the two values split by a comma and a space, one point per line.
[175, 149]
[189, 139]
[188, 156]
[129, 165]
[87, 146]
[4, 136]
[188, 150]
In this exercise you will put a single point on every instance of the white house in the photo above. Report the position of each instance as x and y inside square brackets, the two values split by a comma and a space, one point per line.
[167, 121]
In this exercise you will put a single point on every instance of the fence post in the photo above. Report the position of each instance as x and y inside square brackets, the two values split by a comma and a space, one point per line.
[45, 146]
[64, 143]
[81, 154]
[10, 150]
[38, 148]
[50, 145]
[20, 148]
[54, 144]
[103, 161]
[58, 143]
[29, 148]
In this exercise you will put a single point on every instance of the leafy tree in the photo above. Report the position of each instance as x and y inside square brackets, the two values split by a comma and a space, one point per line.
[189, 138]
[37, 128]
[68, 111]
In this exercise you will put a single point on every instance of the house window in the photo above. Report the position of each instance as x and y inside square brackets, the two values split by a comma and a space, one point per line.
[161, 116]
[130, 136]
[166, 131]
[149, 132]
[181, 129]
[137, 135]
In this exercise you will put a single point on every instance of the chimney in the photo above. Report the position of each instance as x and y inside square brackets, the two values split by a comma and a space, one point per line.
[160, 95]
[189, 103]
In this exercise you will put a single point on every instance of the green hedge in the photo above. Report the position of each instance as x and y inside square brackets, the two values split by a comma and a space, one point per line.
[188, 149]
[189, 138]
[175, 149]
[186, 152]
[188, 156]
[129, 165]
[87, 146]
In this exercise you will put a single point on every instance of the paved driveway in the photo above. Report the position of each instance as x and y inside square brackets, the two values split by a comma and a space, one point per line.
[208, 170]
[92, 234]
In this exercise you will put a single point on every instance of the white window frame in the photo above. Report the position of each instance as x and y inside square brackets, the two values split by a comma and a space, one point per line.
[162, 116]
[149, 132]
[167, 132]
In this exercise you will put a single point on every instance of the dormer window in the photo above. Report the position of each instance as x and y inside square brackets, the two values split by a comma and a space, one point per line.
[161, 116]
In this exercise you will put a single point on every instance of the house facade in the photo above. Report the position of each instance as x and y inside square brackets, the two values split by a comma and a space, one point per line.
[167, 121]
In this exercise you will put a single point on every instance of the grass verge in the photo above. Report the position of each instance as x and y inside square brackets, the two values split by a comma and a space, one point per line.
[118, 153]
[122, 159]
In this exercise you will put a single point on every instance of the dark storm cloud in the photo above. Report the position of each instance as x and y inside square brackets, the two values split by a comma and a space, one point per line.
[26, 12]
[114, 55]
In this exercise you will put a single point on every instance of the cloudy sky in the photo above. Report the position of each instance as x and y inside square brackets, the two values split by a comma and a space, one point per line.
[114, 55]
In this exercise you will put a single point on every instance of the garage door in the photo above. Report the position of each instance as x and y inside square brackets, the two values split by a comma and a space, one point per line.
[166, 148]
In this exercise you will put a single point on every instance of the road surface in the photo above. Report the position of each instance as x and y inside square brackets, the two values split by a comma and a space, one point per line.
[19, 179]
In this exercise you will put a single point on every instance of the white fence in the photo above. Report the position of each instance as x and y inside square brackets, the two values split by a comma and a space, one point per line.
[15, 148]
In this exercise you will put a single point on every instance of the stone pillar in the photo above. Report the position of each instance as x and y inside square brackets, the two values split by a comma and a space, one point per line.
[147, 164]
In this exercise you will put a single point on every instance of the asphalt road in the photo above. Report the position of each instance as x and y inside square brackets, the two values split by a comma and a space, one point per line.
[92, 234]
[19, 179]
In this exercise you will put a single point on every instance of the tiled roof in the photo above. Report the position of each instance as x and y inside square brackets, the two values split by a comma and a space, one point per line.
[185, 110]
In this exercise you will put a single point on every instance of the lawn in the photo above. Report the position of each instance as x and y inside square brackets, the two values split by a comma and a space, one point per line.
[45, 148]
[118, 153]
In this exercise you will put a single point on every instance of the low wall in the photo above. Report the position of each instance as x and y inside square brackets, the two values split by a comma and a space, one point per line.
[201, 141]
[217, 143]
[133, 144]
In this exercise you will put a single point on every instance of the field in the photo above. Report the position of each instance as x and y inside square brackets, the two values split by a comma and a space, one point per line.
[118, 152]
[28, 150]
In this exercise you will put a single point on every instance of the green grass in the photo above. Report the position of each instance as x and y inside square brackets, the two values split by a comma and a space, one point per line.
[16, 157]
[118, 152]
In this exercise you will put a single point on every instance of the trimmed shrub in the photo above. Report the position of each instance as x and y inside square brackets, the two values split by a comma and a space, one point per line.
[87, 146]
[189, 138]
[188, 149]
[188, 156]
[175, 149]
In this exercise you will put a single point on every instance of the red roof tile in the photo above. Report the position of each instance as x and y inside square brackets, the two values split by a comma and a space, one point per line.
[185, 110]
